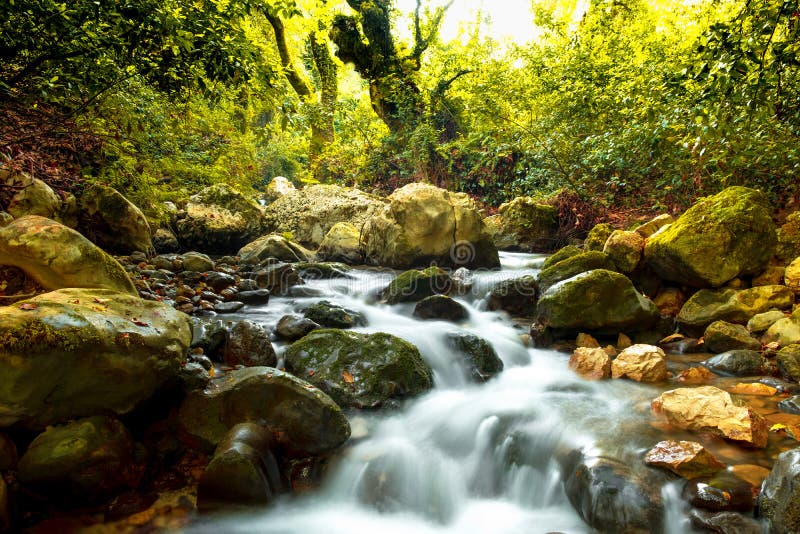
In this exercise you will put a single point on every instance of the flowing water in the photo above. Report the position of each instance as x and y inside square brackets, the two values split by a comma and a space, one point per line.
[465, 457]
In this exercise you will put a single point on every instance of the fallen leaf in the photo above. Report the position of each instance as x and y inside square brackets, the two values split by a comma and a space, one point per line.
[28, 306]
[671, 338]
[311, 372]
[139, 323]
[347, 377]
[100, 301]
[777, 427]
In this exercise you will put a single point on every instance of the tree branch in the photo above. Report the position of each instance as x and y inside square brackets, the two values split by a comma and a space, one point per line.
[298, 82]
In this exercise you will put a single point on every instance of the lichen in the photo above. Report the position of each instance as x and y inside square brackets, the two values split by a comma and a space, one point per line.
[35, 334]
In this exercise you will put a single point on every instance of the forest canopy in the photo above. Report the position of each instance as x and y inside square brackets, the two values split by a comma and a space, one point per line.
[619, 103]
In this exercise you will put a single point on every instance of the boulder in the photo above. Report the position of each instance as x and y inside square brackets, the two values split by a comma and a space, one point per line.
[440, 307]
[731, 305]
[736, 363]
[791, 276]
[591, 363]
[721, 492]
[342, 243]
[598, 300]
[79, 352]
[788, 359]
[87, 460]
[561, 254]
[654, 225]
[197, 262]
[710, 409]
[624, 249]
[278, 187]
[478, 357]
[273, 246]
[669, 301]
[414, 285]
[220, 220]
[112, 222]
[724, 522]
[248, 344]
[789, 238]
[722, 337]
[56, 256]
[310, 213]
[292, 327]
[516, 296]
[421, 224]
[329, 315]
[528, 225]
[719, 238]
[359, 370]
[642, 363]
[5, 218]
[572, 266]
[687, 459]
[164, 241]
[772, 276]
[596, 239]
[784, 331]
[32, 196]
[761, 322]
[305, 420]
[779, 500]
[278, 278]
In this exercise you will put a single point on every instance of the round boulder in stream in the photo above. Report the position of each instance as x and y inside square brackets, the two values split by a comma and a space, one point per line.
[736, 363]
[359, 370]
[440, 307]
[480, 359]
[414, 285]
[331, 315]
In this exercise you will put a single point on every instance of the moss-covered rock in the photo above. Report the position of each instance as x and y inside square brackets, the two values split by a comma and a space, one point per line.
[561, 254]
[304, 418]
[624, 249]
[526, 224]
[56, 256]
[273, 246]
[789, 238]
[654, 225]
[414, 285]
[721, 336]
[342, 243]
[596, 239]
[329, 315]
[721, 237]
[788, 359]
[360, 370]
[779, 500]
[598, 300]
[731, 305]
[516, 296]
[79, 352]
[736, 363]
[422, 224]
[569, 267]
[791, 276]
[784, 331]
[111, 221]
[479, 359]
[32, 197]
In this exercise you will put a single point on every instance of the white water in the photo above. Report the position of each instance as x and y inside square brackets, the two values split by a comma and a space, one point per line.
[464, 458]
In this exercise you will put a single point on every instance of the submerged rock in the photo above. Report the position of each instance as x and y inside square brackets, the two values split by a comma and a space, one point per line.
[414, 285]
[480, 360]
[687, 459]
[722, 492]
[330, 315]
[440, 307]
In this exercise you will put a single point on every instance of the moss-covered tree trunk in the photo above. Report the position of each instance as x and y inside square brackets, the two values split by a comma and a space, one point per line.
[322, 131]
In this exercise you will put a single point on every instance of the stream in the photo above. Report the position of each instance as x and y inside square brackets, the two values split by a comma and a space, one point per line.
[465, 457]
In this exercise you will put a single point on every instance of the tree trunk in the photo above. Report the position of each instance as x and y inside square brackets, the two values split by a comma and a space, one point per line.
[322, 132]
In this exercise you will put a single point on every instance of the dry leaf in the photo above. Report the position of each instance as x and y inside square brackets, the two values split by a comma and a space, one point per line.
[347, 377]
[100, 301]
[28, 306]
[138, 322]
[311, 373]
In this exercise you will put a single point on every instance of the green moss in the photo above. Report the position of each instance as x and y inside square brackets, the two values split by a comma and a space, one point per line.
[34, 335]
[561, 254]
[569, 267]
[413, 285]
[597, 237]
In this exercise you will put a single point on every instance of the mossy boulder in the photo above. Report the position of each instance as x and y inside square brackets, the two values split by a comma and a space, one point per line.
[273, 246]
[597, 236]
[32, 196]
[477, 356]
[789, 238]
[738, 362]
[779, 500]
[56, 256]
[330, 315]
[731, 305]
[598, 300]
[625, 249]
[112, 222]
[220, 220]
[561, 254]
[440, 307]
[788, 359]
[421, 224]
[360, 370]
[721, 237]
[526, 224]
[785, 331]
[414, 285]
[721, 336]
[79, 352]
[569, 267]
[516, 296]
[306, 420]
[654, 225]
[88, 460]
[342, 243]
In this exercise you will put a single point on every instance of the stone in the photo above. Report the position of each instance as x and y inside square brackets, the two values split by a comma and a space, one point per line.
[788, 359]
[219, 281]
[585, 340]
[220, 220]
[256, 297]
[329, 315]
[197, 262]
[324, 270]
[278, 278]
[687, 459]
[736, 363]
[591, 363]
[731, 305]
[526, 224]
[87, 460]
[654, 225]
[784, 331]
[790, 405]
[752, 388]
[293, 327]
[478, 357]
[596, 239]
[342, 243]
[791, 276]
[421, 224]
[112, 222]
[306, 421]
[669, 301]
[710, 409]
[415, 285]
[231, 306]
[779, 500]
[249, 345]
[440, 307]
[572, 266]
[310, 213]
[722, 337]
[33, 196]
[722, 492]
[789, 238]
[561, 254]
[772, 276]
[164, 241]
[5, 218]
[642, 363]
[624, 249]
[57, 257]
[359, 370]
[278, 187]
[724, 522]
[719, 238]
[516, 296]
[78, 352]
[273, 246]
[761, 322]
[598, 300]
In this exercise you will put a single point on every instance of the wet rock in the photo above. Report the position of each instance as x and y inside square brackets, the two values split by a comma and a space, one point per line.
[87, 460]
[591, 363]
[624, 249]
[342, 243]
[788, 359]
[219, 281]
[243, 470]
[56, 256]
[193, 376]
[330, 315]
[278, 278]
[561, 254]
[197, 262]
[231, 306]
[257, 297]
[525, 224]
[307, 421]
[272, 246]
[249, 345]
[735, 224]
[761, 322]
[598, 300]
[210, 337]
[516, 296]
[710, 409]
[642, 363]
[669, 301]
[779, 501]
[790, 405]
[687, 459]
[722, 492]
[323, 270]
[111, 221]
[654, 225]
[293, 327]
[77, 352]
[782, 386]
[479, 357]
[596, 239]
[731, 305]
[164, 241]
[359, 370]
[736, 363]
[440, 307]
[8, 453]
[414, 285]
[724, 522]
[722, 337]
[572, 266]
